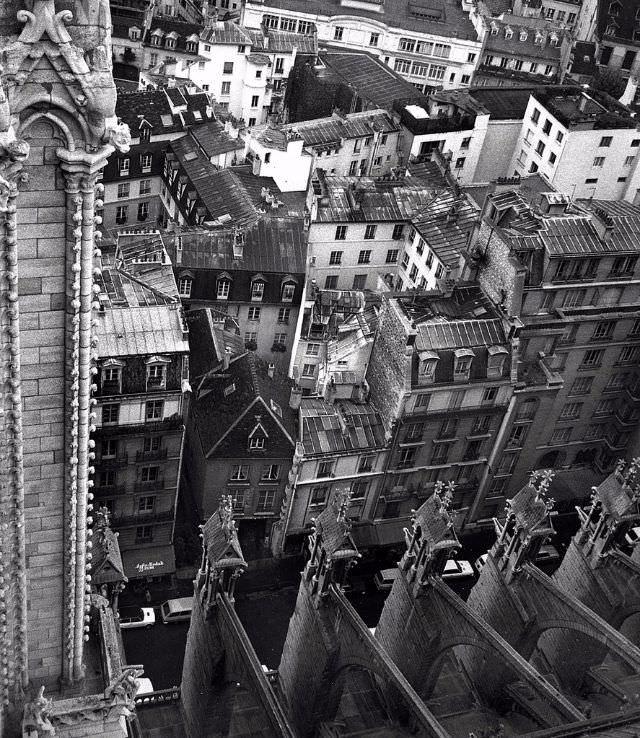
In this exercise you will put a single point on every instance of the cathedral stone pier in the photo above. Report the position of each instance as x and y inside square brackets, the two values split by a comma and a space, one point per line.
[541, 617]
[224, 688]
[424, 624]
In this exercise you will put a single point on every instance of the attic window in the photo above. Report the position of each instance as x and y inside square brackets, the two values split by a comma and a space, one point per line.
[538, 39]
[495, 360]
[229, 389]
[155, 39]
[276, 408]
[256, 442]
[508, 33]
[554, 39]
[462, 364]
[428, 362]
[134, 33]
[170, 43]
[494, 29]
[192, 46]
[523, 36]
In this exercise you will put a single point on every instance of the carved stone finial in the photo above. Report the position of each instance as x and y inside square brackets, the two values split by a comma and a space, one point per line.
[12, 156]
[44, 20]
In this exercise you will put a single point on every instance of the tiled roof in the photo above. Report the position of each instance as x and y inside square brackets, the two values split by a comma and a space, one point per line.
[322, 131]
[436, 17]
[226, 32]
[214, 140]
[228, 394]
[272, 245]
[446, 225]
[292, 203]
[358, 199]
[153, 106]
[343, 427]
[373, 80]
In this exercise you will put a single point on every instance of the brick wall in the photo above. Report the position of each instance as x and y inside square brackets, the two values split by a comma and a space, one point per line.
[41, 249]
[388, 373]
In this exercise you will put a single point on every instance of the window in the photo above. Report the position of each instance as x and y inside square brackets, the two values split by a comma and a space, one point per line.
[617, 382]
[270, 473]
[605, 407]
[121, 214]
[414, 432]
[571, 410]
[331, 282]
[257, 290]
[283, 315]
[145, 186]
[146, 160]
[373, 39]
[392, 256]
[465, 79]
[629, 161]
[319, 495]
[250, 341]
[407, 457]
[257, 442]
[341, 234]
[149, 474]
[143, 210]
[124, 166]
[533, 168]
[359, 490]
[535, 116]
[222, 290]
[364, 257]
[280, 338]
[109, 448]
[398, 231]
[413, 273]
[462, 366]
[111, 379]
[605, 141]
[598, 161]
[366, 463]
[489, 395]
[370, 232]
[144, 534]
[465, 143]
[448, 428]
[110, 413]
[574, 299]
[266, 498]
[308, 370]
[337, 33]
[353, 168]
[460, 162]
[359, 281]
[540, 148]
[592, 432]
[258, 76]
[440, 453]
[635, 143]
[624, 266]
[629, 354]
[593, 357]
[226, 88]
[325, 469]
[422, 402]
[603, 330]
[255, 99]
[279, 68]
[581, 386]
[154, 410]
[552, 158]
[559, 136]
[546, 128]
[239, 473]
[313, 349]
[123, 189]
[254, 313]
[156, 376]
[560, 435]
[107, 478]
[227, 68]
[151, 444]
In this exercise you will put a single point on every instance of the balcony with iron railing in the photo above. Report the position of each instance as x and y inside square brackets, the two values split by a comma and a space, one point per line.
[157, 455]
[150, 485]
[142, 518]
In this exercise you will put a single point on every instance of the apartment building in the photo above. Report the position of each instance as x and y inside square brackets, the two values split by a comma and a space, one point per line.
[618, 30]
[583, 142]
[521, 49]
[341, 448]
[142, 391]
[246, 70]
[133, 181]
[430, 46]
[568, 272]
[452, 122]
[241, 436]
[359, 226]
[440, 375]
[333, 143]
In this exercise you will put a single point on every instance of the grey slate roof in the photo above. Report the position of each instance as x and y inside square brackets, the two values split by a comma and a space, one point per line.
[437, 334]
[214, 140]
[322, 431]
[322, 131]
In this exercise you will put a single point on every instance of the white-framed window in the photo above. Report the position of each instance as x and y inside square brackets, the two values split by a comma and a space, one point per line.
[111, 380]
[257, 290]
[145, 186]
[121, 214]
[223, 288]
[123, 189]
[253, 313]
[284, 315]
[145, 162]
[157, 375]
[124, 166]
[271, 472]
[154, 410]
[184, 286]
[239, 473]
[257, 442]
[308, 370]
[288, 291]
[313, 349]
[319, 496]
[143, 210]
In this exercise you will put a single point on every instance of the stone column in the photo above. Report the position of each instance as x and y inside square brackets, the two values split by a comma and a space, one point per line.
[80, 170]
[13, 578]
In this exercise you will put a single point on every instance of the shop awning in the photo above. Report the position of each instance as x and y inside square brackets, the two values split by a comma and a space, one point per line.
[153, 561]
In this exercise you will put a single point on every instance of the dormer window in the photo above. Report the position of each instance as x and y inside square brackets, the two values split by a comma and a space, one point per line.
[145, 162]
[256, 442]
[157, 373]
[494, 29]
[462, 364]
[288, 289]
[134, 33]
[223, 287]
[192, 46]
[184, 286]
[257, 436]
[428, 363]
[538, 39]
[111, 377]
[156, 36]
[170, 43]
[496, 356]
[257, 288]
[145, 134]
[508, 33]
[554, 39]
[523, 35]
[124, 164]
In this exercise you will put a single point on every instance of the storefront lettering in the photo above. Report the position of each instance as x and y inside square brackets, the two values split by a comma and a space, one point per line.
[149, 566]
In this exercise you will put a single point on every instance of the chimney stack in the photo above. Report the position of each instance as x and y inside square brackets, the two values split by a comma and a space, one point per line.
[271, 370]
[226, 358]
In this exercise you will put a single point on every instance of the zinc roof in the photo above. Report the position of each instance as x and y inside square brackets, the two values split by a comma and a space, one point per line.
[323, 432]
[225, 32]
[130, 331]
[214, 139]
[323, 131]
[441, 334]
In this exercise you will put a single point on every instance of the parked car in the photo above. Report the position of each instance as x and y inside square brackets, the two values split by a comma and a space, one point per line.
[385, 578]
[176, 610]
[633, 536]
[480, 562]
[136, 617]
[145, 686]
[457, 569]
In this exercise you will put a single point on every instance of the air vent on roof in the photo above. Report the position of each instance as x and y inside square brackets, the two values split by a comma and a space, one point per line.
[230, 389]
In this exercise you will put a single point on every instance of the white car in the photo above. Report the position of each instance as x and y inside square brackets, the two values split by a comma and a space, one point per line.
[481, 561]
[633, 536]
[457, 569]
[136, 617]
[385, 578]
